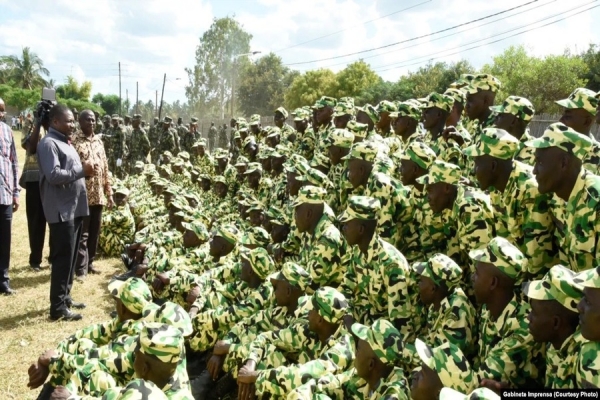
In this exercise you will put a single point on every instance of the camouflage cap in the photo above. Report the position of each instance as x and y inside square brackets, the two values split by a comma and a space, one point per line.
[274, 132]
[316, 178]
[201, 142]
[220, 154]
[167, 120]
[198, 227]
[228, 232]
[162, 342]
[358, 129]
[310, 195]
[294, 274]
[320, 160]
[383, 337]
[133, 293]
[458, 95]
[558, 284]
[419, 153]
[122, 190]
[296, 164]
[503, 255]
[407, 109]
[241, 161]
[441, 171]
[194, 119]
[280, 151]
[265, 152]
[449, 362]
[589, 278]
[255, 235]
[581, 98]
[253, 167]
[330, 304]
[462, 81]
[139, 164]
[440, 269]
[567, 139]
[341, 138]
[325, 101]
[370, 111]
[386, 106]
[477, 394]
[483, 82]
[518, 106]
[343, 108]
[115, 116]
[277, 216]
[171, 314]
[261, 262]
[440, 101]
[254, 119]
[361, 207]
[300, 114]
[219, 179]
[283, 111]
[249, 139]
[184, 155]
[494, 142]
[136, 389]
[366, 151]
[348, 100]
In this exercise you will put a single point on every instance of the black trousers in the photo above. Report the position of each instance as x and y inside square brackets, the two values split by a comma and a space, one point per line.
[36, 222]
[64, 242]
[90, 233]
[5, 239]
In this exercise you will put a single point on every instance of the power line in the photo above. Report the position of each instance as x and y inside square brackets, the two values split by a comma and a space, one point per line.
[343, 30]
[428, 57]
[445, 36]
[416, 38]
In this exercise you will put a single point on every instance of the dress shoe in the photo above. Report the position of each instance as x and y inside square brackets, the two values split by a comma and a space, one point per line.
[66, 315]
[75, 304]
[7, 291]
[93, 270]
[36, 267]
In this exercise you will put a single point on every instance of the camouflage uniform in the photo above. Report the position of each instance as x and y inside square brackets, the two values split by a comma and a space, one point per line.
[139, 145]
[451, 365]
[306, 142]
[222, 142]
[521, 212]
[314, 357]
[561, 364]
[577, 222]
[588, 369]
[323, 132]
[507, 351]
[168, 139]
[116, 149]
[212, 135]
[118, 228]
[136, 389]
[480, 394]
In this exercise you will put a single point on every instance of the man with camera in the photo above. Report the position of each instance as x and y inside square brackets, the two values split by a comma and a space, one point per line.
[9, 197]
[64, 197]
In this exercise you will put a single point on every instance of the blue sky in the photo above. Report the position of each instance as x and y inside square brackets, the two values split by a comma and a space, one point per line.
[87, 39]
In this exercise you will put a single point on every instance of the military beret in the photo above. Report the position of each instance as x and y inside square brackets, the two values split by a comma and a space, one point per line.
[133, 293]
[294, 274]
[558, 284]
[518, 106]
[361, 207]
[477, 394]
[589, 278]
[565, 138]
[496, 143]
[310, 195]
[503, 255]
[383, 338]
[581, 98]
[366, 151]
[325, 101]
[458, 95]
[358, 129]
[440, 269]
[228, 232]
[253, 167]
[450, 364]
[198, 227]
[419, 153]
[483, 82]
[330, 304]
[261, 262]
[341, 138]
[440, 101]
[162, 342]
[171, 314]
[283, 112]
[441, 171]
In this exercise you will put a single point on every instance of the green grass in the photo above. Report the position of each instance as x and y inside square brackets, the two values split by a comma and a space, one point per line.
[25, 328]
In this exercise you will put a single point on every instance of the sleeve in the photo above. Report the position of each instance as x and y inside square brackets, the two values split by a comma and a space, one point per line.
[588, 371]
[400, 304]
[49, 162]
[292, 339]
[474, 228]
[100, 334]
[15, 166]
[324, 261]
[538, 238]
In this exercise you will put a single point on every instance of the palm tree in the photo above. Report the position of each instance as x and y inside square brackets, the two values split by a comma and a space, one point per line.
[26, 72]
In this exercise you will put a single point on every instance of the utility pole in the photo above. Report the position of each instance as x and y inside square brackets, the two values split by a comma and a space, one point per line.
[127, 100]
[155, 102]
[120, 109]
[233, 86]
[161, 96]
[136, 98]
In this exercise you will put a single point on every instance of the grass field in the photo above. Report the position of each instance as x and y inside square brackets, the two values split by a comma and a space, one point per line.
[25, 328]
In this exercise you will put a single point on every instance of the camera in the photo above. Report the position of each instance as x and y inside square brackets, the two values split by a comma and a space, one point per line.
[42, 108]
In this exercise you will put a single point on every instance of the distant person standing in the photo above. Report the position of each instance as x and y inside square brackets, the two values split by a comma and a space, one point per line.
[64, 196]
[99, 192]
[212, 136]
[9, 197]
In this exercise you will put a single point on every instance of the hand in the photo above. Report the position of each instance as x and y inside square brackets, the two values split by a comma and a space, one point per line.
[15, 204]
[452, 133]
[221, 348]
[278, 254]
[110, 202]
[246, 381]
[215, 365]
[494, 385]
[38, 374]
[160, 282]
[246, 391]
[193, 295]
[193, 312]
[88, 168]
[60, 393]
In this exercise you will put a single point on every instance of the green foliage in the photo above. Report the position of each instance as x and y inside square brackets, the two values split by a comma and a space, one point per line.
[73, 90]
[25, 72]
[356, 78]
[262, 85]
[210, 80]
[541, 80]
[435, 77]
[22, 99]
[81, 105]
[108, 102]
[591, 57]
[309, 87]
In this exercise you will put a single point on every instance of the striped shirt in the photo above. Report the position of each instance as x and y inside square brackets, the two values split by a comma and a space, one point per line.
[9, 166]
